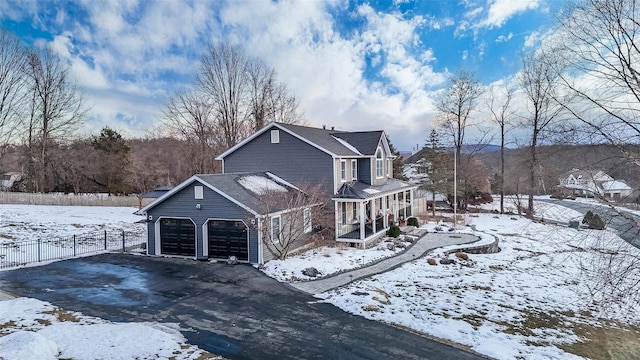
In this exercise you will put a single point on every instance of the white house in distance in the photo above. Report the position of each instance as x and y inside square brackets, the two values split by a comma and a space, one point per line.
[590, 183]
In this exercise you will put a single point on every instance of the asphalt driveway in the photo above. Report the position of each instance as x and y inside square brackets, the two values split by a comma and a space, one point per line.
[234, 311]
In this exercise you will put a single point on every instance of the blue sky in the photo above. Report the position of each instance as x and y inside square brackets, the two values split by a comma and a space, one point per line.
[353, 65]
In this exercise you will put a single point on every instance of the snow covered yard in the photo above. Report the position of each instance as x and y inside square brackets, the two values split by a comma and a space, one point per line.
[33, 329]
[27, 222]
[529, 301]
[329, 260]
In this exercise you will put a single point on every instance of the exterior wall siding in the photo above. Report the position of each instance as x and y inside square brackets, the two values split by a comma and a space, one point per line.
[291, 159]
[213, 206]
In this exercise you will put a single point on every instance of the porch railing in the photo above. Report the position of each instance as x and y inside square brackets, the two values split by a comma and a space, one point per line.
[20, 253]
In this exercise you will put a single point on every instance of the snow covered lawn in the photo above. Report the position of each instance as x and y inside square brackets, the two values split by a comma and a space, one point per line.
[28, 222]
[330, 260]
[33, 329]
[529, 301]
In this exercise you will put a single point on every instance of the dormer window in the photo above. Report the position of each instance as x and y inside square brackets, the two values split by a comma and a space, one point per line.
[379, 164]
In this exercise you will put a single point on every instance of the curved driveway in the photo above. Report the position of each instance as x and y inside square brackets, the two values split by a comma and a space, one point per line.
[625, 223]
[234, 311]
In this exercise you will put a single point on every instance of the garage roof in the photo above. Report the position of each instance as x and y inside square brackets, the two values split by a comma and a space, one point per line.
[244, 189]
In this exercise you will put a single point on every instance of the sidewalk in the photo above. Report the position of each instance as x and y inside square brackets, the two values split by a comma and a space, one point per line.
[424, 244]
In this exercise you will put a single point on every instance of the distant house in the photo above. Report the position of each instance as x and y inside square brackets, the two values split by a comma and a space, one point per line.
[8, 179]
[590, 183]
[353, 169]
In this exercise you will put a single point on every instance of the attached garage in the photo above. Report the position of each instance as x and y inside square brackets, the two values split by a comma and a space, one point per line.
[215, 217]
[228, 238]
[177, 237]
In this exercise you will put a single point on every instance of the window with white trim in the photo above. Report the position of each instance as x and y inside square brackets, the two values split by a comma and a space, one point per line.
[389, 167]
[306, 218]
[354, 170]
[275, 136]
[344, 212]
[198, 192]
[275, 229]
[379, 164]
[343, 170]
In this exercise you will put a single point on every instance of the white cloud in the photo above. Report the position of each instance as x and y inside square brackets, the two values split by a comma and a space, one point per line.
[501, 10]
[504, 38]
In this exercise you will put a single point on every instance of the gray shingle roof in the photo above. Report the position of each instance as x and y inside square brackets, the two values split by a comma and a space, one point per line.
[365, 142]
[360, 190]
[230, 185]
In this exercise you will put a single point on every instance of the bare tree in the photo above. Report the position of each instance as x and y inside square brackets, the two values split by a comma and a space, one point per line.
[56, 110]
[455, 106]
[499, 104]
[12, 84]
[539, 82]
[189, 117]
[599, 40]
[301, 214]
[223, 79]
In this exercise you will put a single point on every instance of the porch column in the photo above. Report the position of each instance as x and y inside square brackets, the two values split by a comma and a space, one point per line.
[404, 205]
[395, 207]
[373, 215]
[385, 217]
[413, 210]
[336, 217]
[363, 220]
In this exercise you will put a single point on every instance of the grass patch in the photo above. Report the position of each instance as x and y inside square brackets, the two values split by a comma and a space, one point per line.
[610, 342]
[6, 236]
[62, 315]
[8, 325]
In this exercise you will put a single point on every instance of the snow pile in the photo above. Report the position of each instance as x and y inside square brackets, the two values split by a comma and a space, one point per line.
[33, 329]
[29, 222]
[260, 185]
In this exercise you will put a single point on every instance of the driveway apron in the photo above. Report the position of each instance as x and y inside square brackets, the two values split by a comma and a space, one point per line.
[234, 311]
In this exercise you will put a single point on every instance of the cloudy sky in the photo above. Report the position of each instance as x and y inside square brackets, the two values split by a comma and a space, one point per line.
[353, 65]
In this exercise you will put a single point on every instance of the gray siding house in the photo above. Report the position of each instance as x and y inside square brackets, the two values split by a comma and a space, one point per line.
[215, 217]
[354, 168]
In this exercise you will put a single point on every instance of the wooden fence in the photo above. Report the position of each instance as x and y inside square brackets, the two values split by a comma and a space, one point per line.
[67, 199]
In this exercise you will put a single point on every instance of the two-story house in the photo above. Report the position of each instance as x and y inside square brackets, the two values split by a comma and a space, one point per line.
[354, 169]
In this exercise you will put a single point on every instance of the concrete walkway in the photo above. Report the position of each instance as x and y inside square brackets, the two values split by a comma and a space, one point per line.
[426, 243]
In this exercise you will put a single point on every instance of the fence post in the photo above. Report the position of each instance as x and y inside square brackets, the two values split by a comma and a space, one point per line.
[39, 249]
[123, 247]
[74, 245]
[105, 239]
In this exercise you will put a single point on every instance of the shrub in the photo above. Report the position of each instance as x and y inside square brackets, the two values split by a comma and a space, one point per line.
[596, 223]
[413, 221]
[587, 217]
[431, 261]
[462, 256]
[394, 231]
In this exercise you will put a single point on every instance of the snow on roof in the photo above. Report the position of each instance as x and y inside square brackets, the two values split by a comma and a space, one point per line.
[371, 191]
[260, 185]
[615, 185]
[347, 145]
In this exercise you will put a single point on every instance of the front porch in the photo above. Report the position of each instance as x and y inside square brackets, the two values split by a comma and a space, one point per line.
[363, 216]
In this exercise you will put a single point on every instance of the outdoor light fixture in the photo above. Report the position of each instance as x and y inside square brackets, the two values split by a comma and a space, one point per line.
[198, 206]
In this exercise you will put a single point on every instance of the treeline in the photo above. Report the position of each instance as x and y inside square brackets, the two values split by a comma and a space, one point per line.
[41, 109]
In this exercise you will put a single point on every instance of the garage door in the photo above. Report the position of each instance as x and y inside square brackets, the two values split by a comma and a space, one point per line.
[228, 238]
[177, 237]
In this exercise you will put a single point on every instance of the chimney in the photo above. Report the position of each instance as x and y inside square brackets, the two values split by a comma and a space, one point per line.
[324, 127]
[333, 128]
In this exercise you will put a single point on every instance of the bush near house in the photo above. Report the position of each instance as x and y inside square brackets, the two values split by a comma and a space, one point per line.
[394, 231]
[413, 221]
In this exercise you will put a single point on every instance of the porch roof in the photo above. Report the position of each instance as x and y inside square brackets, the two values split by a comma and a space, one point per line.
[362, 191]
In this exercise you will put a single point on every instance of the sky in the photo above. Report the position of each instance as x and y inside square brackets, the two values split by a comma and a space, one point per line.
[356, 66]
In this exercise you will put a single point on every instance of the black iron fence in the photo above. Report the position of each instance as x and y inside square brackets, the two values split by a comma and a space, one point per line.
[20, 253]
